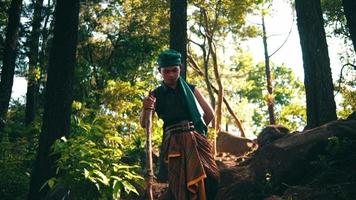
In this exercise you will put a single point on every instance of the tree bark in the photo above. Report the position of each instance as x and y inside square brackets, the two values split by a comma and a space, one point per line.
[58, 94]
[270, 99]
[349, 10]
[218, 108]
[237, 121]
[205, 56]
[8, 67]
[32, 83]
[319, 88]
[178, 31]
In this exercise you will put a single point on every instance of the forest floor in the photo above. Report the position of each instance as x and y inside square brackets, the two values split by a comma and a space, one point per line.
[317, 164]
[224, 161]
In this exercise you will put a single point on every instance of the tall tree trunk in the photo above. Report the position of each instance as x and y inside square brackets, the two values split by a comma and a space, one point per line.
[212, 48]
[206, 56]
[206, 77]
[218, 107]
[8, 67]
[270, 99]
[178, 31]
[350, 13]
[32, 82]
[58, 96]
[319, 88]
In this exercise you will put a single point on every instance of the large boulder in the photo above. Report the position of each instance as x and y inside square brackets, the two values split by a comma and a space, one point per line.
[316, 164]
[271, 133]
[228, 143]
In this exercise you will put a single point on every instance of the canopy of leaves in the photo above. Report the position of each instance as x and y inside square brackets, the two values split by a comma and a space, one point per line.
[118, 40]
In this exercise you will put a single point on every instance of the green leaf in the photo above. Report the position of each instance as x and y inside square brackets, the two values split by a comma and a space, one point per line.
[86, 173]
[129, 187]
[117, 185]
[51, 182]
[116, 178]
[102, 178]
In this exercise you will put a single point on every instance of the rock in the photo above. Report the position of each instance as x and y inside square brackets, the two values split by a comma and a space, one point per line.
[229, 143]
[316, 164]
[273, 197]
[352, 116]
[271, 133]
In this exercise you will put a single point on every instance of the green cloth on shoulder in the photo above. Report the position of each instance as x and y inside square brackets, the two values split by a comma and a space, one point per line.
[194, 108]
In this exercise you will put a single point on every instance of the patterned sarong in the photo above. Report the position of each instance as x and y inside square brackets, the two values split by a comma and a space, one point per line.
[190, 161]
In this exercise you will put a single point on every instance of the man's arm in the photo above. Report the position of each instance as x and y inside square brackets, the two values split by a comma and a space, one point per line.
[208, 110]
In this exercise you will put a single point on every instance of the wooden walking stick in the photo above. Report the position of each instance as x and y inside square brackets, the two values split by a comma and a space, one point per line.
[149, 178]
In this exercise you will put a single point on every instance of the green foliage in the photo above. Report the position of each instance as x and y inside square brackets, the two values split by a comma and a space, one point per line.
[102, 157]
[223, 17]
[348, 104]
[15, 168]
[346, 86]
[94, 158]
[334, 17]
[118, 40]
[17, 153]
[287, 92]
[293, 116]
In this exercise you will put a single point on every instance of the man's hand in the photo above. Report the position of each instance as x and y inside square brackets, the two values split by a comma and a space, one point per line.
[149, 102]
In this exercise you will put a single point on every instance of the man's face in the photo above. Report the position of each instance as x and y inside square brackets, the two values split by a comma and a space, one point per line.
[170, 74]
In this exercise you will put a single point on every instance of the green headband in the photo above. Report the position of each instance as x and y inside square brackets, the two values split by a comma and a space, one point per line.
[169, 58]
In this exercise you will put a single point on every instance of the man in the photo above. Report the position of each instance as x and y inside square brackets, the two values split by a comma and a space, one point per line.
[192, 171]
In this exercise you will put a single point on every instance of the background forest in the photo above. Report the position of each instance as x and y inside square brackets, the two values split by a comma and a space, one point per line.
[103, 63]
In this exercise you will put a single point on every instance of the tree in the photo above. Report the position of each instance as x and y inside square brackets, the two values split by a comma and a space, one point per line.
[214, 20]
[32, 83]
[265, 9]
[349, 11]
[9, 58]
[58, 94]
[4, 7]
[107, 51]
[196, 68]
[288, 93]
[178, 30]
[319, 88]
[270, 99]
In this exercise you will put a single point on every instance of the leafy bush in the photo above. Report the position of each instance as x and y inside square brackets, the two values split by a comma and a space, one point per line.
[87, 158]
[102, 158]
[14, 176]
[17, 153]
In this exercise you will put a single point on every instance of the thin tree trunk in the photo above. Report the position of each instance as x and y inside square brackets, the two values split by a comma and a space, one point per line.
[350, 13]
[206, 56]
[270, 99]
[237, 121]
[58, 94]
[8, 67]
[178, 31]
[32, 82]
[206, 77]
[218, 108]
[318, 83]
